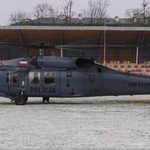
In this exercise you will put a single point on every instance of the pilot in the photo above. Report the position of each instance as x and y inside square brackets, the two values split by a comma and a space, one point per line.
[36, 79]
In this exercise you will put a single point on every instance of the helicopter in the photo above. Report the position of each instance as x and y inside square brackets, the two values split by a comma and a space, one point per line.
[52, 76]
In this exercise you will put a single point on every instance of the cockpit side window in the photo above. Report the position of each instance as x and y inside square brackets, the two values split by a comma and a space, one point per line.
[12, 77]
[34, 77]
[15, 78]
[50, 78]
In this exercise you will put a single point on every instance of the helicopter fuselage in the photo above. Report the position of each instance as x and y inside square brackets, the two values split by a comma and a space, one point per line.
[77, 81]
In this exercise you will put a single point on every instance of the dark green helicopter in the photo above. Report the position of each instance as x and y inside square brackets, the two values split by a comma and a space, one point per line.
[50, 76]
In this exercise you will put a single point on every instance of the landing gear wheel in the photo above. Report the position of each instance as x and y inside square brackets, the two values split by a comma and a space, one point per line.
[45, 99]
[20, 100]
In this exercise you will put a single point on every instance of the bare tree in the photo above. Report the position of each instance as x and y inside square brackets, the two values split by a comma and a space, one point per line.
[96, 11]
[18, 17]
[52, 14]
[130, 13]
[40, 11]
[68, 11]
[45, 10]
[139, 15]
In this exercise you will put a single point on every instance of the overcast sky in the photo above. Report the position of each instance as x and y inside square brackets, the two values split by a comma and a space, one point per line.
[116, 7]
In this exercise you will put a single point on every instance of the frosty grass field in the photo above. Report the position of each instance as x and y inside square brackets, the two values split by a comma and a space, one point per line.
[83, 123]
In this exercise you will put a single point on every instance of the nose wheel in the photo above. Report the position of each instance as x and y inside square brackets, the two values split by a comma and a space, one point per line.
[45, 99]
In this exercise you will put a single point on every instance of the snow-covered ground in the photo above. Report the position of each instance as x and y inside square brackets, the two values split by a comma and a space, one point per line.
[82, 123]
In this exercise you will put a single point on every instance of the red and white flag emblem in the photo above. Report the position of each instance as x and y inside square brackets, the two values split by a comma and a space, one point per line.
[23, 63]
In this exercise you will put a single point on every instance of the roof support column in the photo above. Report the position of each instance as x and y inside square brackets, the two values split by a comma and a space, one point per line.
[20, 36]
[61, 53]
[137, 55]
[21, 39]
[61, 44]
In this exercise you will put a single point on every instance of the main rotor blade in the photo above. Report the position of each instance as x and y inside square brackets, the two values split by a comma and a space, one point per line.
[39, 45]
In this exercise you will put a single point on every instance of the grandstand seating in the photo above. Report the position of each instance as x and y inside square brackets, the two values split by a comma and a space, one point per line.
[130, 67]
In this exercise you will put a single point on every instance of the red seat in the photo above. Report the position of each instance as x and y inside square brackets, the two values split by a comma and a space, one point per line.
[129, 66]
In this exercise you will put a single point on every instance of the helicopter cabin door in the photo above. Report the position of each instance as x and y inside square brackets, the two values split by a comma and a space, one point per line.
[12, 82]
[51, 83]
[42, 84]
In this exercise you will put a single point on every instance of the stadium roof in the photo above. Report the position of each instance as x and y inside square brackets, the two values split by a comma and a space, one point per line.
[76, 35]
[109, 28]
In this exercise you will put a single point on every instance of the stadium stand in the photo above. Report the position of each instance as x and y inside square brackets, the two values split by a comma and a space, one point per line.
[126, 47]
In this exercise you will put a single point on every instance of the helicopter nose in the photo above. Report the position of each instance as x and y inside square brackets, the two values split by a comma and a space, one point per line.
[3, 80]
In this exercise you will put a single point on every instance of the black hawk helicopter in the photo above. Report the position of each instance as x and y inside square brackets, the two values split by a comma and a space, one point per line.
[51, 76]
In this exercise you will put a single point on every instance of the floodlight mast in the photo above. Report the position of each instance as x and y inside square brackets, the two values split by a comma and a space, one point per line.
[104, 63]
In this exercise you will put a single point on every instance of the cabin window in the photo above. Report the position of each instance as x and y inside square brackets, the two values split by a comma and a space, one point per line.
[50, 78]
[34, 77]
